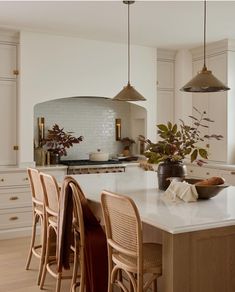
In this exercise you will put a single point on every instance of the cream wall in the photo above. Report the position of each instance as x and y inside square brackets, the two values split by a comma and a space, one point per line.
[53, 66]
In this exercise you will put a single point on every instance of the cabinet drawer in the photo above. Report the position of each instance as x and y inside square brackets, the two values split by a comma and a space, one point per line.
[229, 176]
[13, 179]
[15, 219]
[202, 172]
[15, 199]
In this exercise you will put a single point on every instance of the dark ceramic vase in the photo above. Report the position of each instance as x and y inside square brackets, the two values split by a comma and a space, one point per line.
[169, 169]
[54, 158]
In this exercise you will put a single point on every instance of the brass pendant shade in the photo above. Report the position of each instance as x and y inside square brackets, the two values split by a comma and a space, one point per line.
[128, 93]
[204, 81]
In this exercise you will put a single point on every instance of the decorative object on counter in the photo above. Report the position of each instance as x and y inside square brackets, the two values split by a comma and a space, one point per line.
[128, 93]
[40, 156]
[178, 191]
[57, 141]
[207, 188]
[41, 130]
[204, 81]
[118, 129]
[178, 141]
[98, 156]
[127, 142]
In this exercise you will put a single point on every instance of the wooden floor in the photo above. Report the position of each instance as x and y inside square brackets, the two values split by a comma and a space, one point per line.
[14, 277]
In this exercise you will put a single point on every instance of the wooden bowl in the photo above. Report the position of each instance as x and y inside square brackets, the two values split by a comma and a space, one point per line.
[204, 192]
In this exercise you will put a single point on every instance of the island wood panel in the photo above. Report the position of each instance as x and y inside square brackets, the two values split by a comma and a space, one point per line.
[200, 261]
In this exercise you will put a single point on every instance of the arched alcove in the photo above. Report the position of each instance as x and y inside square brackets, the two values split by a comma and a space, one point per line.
[94, 119]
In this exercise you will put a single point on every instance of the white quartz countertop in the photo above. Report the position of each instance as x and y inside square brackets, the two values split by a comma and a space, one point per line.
[41, 168]
[173, 217]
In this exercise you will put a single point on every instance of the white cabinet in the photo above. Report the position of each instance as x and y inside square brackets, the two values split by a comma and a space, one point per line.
[165, 106]
[204, 172]
[15, 200]
[8, 61]
[15, 203]
[165, 73]
[8, 122]
[219, 106]
[165, 85]
[229, 176]
[8, 93]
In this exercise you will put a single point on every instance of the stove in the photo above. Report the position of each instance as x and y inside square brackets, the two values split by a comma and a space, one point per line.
[86, 166]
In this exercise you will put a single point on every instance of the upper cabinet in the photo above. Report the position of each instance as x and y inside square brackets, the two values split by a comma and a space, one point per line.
[219, 106]
[165, 85]
[8, 100]
[8, 60]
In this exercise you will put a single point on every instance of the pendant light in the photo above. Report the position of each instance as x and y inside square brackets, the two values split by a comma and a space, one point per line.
[128, 93]
[204, 81]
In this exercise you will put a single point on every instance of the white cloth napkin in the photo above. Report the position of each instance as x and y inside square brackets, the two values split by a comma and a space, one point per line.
[181, 190]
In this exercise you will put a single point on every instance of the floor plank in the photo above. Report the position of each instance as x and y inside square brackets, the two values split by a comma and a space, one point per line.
[14, 277]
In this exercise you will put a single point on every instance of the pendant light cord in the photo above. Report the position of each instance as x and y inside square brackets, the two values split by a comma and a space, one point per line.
[204, 66]
[128, 41]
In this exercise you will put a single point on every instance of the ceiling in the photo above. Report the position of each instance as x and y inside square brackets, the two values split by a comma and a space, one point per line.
[164, 24]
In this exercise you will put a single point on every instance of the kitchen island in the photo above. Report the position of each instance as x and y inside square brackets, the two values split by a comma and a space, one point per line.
[198, 238]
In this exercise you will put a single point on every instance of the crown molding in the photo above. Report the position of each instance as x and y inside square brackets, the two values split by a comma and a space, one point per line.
[166, 55]
[213, 49]
[9, 36]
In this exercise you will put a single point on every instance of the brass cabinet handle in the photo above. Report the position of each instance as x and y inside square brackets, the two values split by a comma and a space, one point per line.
[232, 172]
[25, 179]
[2, 179]
[16, 72]
[207, 173]
[14, 198]
[191, 171]
[13, 218]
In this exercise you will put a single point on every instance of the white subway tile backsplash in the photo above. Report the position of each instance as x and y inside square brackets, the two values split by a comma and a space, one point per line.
[93, 118]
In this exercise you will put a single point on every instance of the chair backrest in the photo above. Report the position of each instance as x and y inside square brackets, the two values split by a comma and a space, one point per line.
[78, 225]
[36, 186]
[78, 222]
[51, 193]
[122, 223]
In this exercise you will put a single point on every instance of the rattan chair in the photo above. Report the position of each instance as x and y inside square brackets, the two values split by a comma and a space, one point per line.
[51, 206]
[140, 263]
[38, 216]
[79, 240]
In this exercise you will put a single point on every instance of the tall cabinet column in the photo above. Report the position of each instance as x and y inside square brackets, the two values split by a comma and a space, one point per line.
[165, 85]
[8, 101]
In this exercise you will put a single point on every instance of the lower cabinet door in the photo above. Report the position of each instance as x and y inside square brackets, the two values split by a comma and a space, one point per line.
[15, 218]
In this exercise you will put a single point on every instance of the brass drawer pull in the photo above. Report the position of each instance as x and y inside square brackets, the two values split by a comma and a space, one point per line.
[2, 179]
[191, 171]
[13, 218]
[232, 172]
[25, 179]
[207, 173]
[14, 198]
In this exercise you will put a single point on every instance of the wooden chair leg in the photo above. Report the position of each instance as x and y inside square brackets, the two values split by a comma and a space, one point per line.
[32, 241]
[155, 285]
[43, 250]
[46, 258]
[75, 265]
[58, 282]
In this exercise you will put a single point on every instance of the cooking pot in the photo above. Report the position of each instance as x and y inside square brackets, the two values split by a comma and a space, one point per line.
[98, 156]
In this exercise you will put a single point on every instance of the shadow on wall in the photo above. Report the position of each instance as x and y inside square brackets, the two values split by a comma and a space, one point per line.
[93, 118]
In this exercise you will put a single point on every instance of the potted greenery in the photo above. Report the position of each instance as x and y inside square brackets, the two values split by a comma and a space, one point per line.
[178, 142]
[127, 142]
[57, 141]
